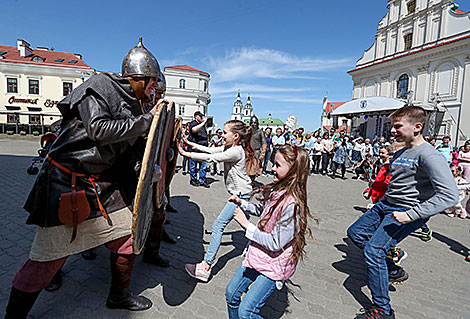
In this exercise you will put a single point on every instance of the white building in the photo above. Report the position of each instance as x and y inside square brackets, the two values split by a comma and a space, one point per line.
[189, 89]
[421, 54]
[32, 82]
[240, 112]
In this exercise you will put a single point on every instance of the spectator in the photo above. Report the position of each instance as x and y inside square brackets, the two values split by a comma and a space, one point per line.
[464, 161]
[216, 141]
[367, 148]
[198, 135]
[445, 148]
[364, 168]
[317, 153]
[185, 164]
[327, 152]
[269, 148]
[341, 152]
[357, 150]
[308, 145]
[285, 134]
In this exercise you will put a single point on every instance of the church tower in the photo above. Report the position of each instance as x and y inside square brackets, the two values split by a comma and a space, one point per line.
[247, 110]
[237, 108]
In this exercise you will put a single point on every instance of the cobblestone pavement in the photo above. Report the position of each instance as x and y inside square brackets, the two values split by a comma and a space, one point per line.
[331, 282]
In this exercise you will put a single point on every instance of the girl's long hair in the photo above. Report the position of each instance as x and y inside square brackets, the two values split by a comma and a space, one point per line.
[245, 132]
[295, 184]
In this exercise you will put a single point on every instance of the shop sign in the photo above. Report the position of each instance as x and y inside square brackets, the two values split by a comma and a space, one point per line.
[47, 103]
[27, 101]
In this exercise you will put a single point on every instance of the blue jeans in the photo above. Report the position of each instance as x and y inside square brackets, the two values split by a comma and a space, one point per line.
[375, 232]
[193, 170]
[218, 227]
[255, 297]
[266, 159]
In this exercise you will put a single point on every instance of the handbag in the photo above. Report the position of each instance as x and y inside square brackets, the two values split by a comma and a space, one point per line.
[74, 207]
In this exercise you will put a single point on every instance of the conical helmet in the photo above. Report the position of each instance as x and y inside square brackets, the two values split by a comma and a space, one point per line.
[139, 62]
[254, 120]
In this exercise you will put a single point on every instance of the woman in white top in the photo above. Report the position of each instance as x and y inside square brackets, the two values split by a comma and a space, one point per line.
[327, 152]
[237, 139]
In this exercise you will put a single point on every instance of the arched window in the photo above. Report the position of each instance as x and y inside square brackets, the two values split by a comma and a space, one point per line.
[411, 6]
[402, 86]
[182, 84]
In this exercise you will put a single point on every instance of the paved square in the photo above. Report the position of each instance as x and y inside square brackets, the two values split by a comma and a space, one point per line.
[330, 283]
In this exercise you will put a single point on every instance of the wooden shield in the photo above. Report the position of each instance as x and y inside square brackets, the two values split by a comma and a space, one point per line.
[145, 199]
[162, 160]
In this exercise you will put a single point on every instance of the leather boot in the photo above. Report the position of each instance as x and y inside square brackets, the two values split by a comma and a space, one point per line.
[20, 303]
[56, 282]
[119, 296]
[167, 239]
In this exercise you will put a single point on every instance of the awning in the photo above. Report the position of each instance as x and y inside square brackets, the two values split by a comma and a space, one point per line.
[373, 104]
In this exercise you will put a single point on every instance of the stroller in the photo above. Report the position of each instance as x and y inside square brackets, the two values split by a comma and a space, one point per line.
[46, 142]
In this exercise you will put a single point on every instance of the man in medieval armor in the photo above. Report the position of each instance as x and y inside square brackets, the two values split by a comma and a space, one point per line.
[95, 156]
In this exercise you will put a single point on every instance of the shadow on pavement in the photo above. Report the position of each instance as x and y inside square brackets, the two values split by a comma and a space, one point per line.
[455, 246]
[353, 265]
[187, 227]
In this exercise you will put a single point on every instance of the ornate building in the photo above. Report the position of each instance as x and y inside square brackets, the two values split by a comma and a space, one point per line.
[188, 87]
[240, 112]
[32, 82]
[421, 54]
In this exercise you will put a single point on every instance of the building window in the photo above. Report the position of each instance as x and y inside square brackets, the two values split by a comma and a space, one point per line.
[205, 86]
[181, 109]
[37, 58]
[33, 86]
[67, 87]
[35, 119]
[408, 41]
[11, 118]
[411, 6]
[345, 122]
[402, 86]
[182, 84]
[12, 85]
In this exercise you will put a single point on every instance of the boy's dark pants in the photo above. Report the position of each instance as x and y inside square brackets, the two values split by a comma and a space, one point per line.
[375, 232]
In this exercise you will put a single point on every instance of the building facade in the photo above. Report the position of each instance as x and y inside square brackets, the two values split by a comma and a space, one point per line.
[188, 87]
[32, 82]
[421, 55]
[328, 121]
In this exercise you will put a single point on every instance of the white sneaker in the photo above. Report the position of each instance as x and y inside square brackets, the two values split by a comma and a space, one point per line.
[197, 271]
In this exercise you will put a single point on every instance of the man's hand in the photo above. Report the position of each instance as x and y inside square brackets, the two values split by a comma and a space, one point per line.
[183, 152]
[155, 108]
[240, 217]
[401, 217]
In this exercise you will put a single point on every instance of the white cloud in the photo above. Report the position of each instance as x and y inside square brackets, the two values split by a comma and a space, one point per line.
[251, 88]
[251, 63]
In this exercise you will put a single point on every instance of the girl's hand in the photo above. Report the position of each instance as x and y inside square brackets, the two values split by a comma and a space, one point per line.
[240, 217]
[181, 151]
[234, 199]
[185, 139]
[366, 195]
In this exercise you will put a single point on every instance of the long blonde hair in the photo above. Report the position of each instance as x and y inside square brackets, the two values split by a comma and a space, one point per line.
[295, 185]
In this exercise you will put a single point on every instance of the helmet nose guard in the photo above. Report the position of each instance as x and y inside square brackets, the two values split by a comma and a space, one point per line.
[139, 62]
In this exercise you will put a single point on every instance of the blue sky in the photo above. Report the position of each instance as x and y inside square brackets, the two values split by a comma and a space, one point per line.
[286, 55]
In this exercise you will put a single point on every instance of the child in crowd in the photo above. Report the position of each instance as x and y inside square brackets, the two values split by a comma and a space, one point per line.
[459, 180]
[420, 187]
[364, 168]
[277, 242]
[237, 139]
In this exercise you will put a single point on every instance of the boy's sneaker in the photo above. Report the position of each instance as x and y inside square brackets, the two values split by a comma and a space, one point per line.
[397, 255]
[397, 278]
[374, 312]
[197, 271]
[426, 235]
[452, 214]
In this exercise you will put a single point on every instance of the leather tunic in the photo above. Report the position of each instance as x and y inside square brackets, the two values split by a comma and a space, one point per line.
[100, 135]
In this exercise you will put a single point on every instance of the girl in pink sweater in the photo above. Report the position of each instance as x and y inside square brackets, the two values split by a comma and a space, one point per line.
[278, 240]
